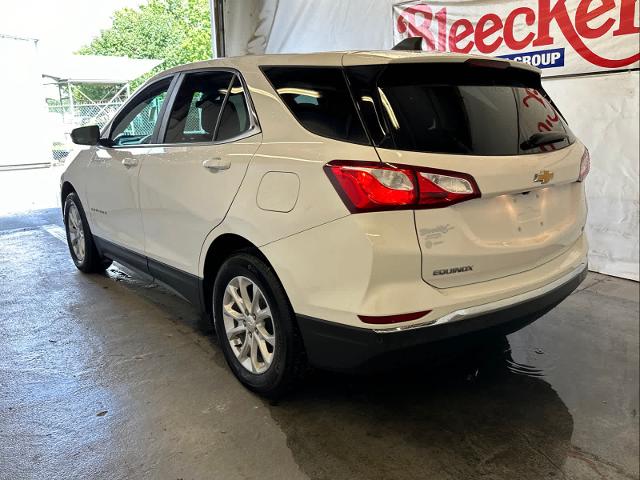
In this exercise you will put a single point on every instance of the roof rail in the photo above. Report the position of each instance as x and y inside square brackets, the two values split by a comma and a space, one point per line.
[410, 43]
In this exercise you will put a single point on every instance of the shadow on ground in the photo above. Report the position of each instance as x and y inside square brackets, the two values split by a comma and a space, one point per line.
[474, 415]
[34, 219]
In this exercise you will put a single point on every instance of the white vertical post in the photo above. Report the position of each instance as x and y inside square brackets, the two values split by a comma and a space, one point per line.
[71, 104]
[217, 28]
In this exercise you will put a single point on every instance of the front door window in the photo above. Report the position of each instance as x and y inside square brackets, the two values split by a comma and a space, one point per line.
[135, 126]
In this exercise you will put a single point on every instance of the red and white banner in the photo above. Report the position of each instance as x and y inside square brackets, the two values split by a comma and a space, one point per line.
[563, 37]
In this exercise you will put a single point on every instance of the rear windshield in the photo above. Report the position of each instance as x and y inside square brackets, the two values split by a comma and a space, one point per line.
[457, 109]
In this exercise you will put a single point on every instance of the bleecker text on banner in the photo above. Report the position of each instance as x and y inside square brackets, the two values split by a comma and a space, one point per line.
[560, 36]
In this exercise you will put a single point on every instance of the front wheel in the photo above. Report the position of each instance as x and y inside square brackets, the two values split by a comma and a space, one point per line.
[81, 246]
[256, 326]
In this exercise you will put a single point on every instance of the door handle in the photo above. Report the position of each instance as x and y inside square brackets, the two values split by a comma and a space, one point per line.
[129, 162]
[216, 164]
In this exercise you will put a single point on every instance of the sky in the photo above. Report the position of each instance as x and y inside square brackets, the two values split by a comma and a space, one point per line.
[61, 26]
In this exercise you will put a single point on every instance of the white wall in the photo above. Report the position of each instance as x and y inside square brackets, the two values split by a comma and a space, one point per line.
[602, 110]
[321, 25]
[240, 23]
[23, 127]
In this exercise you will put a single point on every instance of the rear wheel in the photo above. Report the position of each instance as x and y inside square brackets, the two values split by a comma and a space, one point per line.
[256, 326]
[81, 245]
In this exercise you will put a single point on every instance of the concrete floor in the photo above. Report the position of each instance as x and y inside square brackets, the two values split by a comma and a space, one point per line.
[106, 377]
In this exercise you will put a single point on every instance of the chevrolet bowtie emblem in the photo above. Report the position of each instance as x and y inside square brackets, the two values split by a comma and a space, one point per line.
[543, 176]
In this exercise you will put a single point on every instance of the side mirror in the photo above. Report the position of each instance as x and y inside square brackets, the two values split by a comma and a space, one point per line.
[89, 135]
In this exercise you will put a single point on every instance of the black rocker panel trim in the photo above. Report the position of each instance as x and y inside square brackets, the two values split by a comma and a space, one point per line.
[122, 255]
[186, 284]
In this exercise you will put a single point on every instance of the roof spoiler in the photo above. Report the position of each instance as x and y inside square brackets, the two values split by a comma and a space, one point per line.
[410, 43]
[487, 62]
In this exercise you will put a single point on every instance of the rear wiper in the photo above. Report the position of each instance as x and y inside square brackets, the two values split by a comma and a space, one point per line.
[544, 138]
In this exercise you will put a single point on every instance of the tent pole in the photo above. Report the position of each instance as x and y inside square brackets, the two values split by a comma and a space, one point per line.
[217, 28]
[71, 104]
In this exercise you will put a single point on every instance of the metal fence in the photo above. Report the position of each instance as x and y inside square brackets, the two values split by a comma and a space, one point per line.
[65, 117]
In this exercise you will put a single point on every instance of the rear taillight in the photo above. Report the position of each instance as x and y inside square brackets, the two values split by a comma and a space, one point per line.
[436, 189]
[585, 165]
[375, 186]
[366, 186]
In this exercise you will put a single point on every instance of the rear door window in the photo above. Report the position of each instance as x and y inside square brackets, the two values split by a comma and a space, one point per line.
[457, 109]
[235, 114]
[320, 101]
[196, 109]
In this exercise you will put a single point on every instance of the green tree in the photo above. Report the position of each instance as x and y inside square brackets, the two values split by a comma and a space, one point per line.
[176, 31]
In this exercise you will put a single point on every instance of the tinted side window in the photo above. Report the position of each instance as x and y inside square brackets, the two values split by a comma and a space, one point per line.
[319, 99]
[138, 121]
[195, 111]
[235, 115]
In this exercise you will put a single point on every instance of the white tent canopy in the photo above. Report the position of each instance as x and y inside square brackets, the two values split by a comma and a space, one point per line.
[96, 69]
[71, 106]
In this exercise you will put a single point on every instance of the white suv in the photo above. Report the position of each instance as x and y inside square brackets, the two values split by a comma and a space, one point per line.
[335, 209]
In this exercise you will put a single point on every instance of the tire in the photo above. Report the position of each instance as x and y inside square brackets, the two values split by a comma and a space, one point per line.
[82, 248]
[273, 374]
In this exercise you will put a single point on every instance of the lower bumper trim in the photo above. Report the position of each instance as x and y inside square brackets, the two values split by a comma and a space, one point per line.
[487, 308]
[336, 346]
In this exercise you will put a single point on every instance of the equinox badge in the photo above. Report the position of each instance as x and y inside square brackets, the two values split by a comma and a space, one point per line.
[543, 176]
[448, 271]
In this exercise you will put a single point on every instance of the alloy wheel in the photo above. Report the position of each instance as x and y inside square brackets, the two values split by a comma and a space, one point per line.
[76, 232]
[248, 324]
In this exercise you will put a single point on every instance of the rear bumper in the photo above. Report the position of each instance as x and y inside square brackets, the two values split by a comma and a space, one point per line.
[334, 346]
